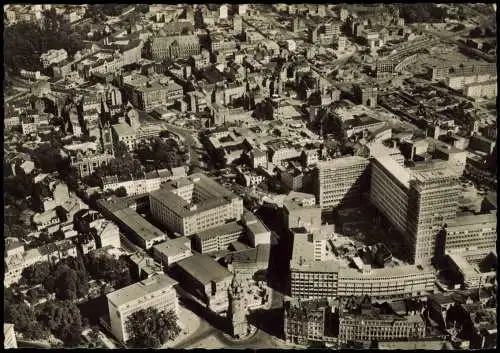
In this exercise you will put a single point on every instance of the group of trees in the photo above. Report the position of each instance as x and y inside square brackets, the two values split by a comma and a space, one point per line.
[68, 278]
[17, 312]
[58, 317]
[99, 12]
[109, 269]
[151, 328]
[13, 226]
[24, 42]
[63, 319]
[161, 153]
[422, 12]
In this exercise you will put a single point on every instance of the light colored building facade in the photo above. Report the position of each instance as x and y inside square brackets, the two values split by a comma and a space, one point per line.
[376, 327]
[174, 47]
[136, 186]
[340, 180]
[474, 234]
[53, 57]
[172, 251]
[9, 335]
[218, 238]
[418, 203]
[157, 292]
[193, 204]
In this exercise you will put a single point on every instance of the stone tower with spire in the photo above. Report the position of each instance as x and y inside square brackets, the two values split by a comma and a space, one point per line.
[237, 309]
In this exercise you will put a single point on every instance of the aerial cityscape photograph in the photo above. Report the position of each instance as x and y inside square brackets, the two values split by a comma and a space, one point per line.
[250, 176]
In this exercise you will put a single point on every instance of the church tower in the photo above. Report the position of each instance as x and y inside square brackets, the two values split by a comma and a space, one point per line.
[237, 309]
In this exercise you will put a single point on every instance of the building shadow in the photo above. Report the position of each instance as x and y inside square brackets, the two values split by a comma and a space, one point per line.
[269, 321]
[217, 321]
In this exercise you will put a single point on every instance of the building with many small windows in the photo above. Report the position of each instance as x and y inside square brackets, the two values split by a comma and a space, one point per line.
[418, 202]
[307, 321]
[370, 325]
[341, 181]
[316, 272]
[472, 236]
[157, 292]
[173, 47]
[218, 238]
[194, 204]
[172, 250]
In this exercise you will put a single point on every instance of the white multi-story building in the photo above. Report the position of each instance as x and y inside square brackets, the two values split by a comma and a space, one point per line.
[53, 57]
[157, 292]
[340, 180]
[193, 204]
[149, 183]
[172, 250]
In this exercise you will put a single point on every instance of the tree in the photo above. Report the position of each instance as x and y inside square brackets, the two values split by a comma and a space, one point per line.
[63, 319]
[24, 41]
[151, 328]
[69, 279]
[121, 191]
[109, 269]
[36, 273]
[24, 320]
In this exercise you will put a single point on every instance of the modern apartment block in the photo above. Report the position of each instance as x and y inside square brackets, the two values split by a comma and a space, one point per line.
[341, 181]
[194, 204]
[418, 202]
[156, 292]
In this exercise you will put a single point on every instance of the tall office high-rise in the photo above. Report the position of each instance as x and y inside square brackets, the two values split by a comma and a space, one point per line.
[341, 181]
[417, 202]
[432, 203]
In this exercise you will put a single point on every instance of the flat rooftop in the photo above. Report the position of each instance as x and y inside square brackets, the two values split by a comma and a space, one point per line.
[218, 195]
[173, 247]
[138, 224]
[401, 174]
[472, 219]
[342, 162]
[228, 228]
[141, 289]
[204, 268]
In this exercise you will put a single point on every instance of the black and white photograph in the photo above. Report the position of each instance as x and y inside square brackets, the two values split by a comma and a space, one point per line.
[250, 176]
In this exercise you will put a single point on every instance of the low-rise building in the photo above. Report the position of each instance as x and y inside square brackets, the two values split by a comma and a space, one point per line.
[17, 262]
[203, 277]
[157, 292]
[173, 47]
[307, 321]
[257, 233]
[150, 182]
[53, 57]
[369, 325]
[471, 234]
[300, 210]
[172, 250]
[218, 238]
[137, 227]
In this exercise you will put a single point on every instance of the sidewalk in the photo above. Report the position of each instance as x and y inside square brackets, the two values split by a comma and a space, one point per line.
[189, 323]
